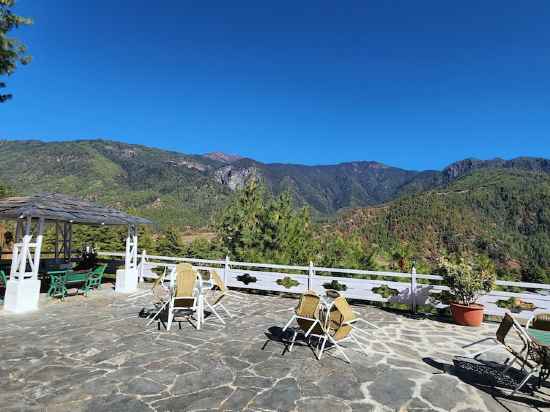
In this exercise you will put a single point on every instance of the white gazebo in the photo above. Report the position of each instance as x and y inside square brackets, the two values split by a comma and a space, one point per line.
[32, 214]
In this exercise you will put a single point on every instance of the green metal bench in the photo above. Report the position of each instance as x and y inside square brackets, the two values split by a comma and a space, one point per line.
[60, 280]
[4, 282]
[96, 276]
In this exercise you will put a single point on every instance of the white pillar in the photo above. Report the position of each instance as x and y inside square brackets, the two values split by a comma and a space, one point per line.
[226, 269]
[127, 278]
[311, 274]
[23, 288]
[413, 289]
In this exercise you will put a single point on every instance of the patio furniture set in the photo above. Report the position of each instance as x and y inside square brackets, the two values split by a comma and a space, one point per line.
[187, 295]
[83, 280]
[330, 319]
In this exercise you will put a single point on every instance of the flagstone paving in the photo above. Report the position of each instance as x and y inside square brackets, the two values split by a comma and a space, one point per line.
[96, 354]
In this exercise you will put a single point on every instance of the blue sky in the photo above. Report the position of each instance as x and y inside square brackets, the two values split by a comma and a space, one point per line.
[415, 84]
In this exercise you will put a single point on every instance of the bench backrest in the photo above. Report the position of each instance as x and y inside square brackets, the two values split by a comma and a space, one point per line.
[76, 277]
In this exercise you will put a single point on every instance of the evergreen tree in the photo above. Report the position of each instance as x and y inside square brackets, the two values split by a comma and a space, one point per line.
[12, 51]
[170, 244]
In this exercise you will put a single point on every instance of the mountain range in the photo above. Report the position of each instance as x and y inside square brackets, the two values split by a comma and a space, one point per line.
[187, 190]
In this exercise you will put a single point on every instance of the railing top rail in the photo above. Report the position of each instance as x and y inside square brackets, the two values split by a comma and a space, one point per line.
[525, 285]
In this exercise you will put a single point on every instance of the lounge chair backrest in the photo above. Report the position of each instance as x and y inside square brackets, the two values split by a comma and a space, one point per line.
[186, 278]
[340, 313]
[217, 280]
[508, 323]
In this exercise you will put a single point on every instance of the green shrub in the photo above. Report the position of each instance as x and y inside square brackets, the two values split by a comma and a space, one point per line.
[287, 282]
[467, 282]
[335, 285]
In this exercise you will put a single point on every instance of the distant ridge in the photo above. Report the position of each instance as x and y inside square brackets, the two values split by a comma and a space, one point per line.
[174, 188]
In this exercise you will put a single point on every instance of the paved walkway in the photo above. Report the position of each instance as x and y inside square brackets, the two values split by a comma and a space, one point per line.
[96, 354]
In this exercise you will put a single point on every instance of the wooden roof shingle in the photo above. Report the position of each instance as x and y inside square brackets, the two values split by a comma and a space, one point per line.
[60, 207]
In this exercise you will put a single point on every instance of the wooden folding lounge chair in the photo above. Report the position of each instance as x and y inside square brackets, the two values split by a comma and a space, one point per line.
[522, 356]
[219, 292]
[184, 294]
[339, 326]
[307, 315]
[161, 298]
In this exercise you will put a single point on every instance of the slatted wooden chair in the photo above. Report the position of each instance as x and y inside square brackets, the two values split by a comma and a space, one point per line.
[340, 327]
[308, 317]
[161, 298]
[218, 293]
[184, 295]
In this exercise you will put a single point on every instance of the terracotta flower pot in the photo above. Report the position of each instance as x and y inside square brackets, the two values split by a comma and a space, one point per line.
[467, 315]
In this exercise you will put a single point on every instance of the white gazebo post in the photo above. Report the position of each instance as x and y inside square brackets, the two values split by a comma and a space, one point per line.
[23, 288]
[127, 278]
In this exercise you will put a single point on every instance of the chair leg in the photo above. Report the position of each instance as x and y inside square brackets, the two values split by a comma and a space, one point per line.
[225, 310]
[479, 341]
[170, 318]
[322, 348]
[339, 349]
[492, 348]
[509, 365]
[293, 340]
[523, 382]
[359, 344]
[289, 322]
[215, 312]
[363, 333]
[157, 314]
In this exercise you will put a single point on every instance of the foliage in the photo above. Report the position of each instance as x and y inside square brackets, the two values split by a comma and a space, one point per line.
[246, 278]
[385, 291]
[12, 51]
[337, 250]
[256, 227]
[287, 282]
[466, 281]
[515, 305]
[170, 244]
[501, 216]
[335, 285]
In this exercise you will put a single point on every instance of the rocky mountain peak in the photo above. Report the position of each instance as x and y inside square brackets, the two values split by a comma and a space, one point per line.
[223, 157]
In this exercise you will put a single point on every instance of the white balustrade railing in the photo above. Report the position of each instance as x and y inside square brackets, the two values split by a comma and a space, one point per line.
[408, 288]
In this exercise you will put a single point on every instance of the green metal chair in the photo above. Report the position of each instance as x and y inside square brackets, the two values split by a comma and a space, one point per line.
[57, 284]
[96, 276]
[4, 282]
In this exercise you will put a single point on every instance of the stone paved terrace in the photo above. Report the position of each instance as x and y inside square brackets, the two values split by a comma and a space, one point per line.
[96, 354]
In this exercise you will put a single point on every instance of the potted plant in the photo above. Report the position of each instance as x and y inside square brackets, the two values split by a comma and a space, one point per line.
[466, 284]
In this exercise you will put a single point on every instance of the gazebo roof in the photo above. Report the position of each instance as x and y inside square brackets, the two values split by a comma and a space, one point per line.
[59, 207]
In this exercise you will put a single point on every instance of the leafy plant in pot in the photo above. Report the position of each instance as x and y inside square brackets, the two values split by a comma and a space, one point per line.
[467, 282]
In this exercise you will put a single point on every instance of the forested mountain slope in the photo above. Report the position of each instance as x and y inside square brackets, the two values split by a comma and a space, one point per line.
[188, 190]
[500, 213]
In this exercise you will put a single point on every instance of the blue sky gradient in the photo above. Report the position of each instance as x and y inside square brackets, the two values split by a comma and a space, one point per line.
[411, 84]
